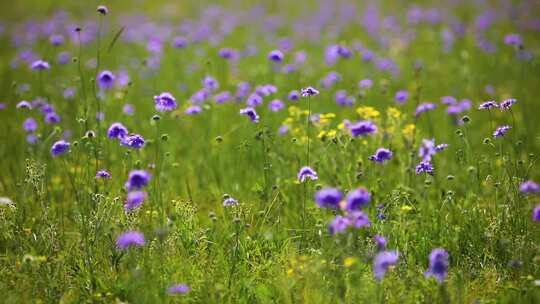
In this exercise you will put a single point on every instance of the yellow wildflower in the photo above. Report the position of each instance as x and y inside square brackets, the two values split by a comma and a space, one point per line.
[368, 112]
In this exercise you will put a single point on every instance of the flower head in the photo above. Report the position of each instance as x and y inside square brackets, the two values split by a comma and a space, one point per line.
[134, 141]
[488, 105]
[501, 131]
[229, 201]
[381, 155]
[276, 105]
[60, 147]
[275, 56]
[359, 219]
[103, 174]
[328, 198]
[137, 179]
[293, 95]
[438, 264]
[165, 102]
[507, 104]
[309, 91]
[102, 9]
[529, 187]
[513, 40]
[40, 65]
[307, 173]
[134, 200]
[380, 241]
[30, 125]
[401, 96]
[425, 167]
[179, 289]
[250, 112]
[106, 80]
[382, 262]
[339, 224]
[357, 199]
[424, 107]
[362, 128]
[536, 213]
[130, 238]
[117, 130]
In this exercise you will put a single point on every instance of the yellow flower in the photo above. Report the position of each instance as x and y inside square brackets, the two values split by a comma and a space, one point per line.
[393, 112]
[290, 272]
[368, 112]
[408, 131]
[349, 261]
[406, 208]
[322, 134]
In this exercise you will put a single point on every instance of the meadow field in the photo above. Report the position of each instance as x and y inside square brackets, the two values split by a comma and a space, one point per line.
[330, 151]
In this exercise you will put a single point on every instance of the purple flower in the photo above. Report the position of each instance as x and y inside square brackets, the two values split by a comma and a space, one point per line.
[130, 238]
[427, 149]
[250, 112]
[305, 173]
[357, 199]
[343, 100]
[382, 262]
[59, 148]
[425, 167]
[128, 109]
[117, 130]
[293, 95]
[228, 53]
[254, 100]
[276, 105]
[52, 118]
[69, 93]
[536, 213]
[134, 141]
[40, 65]
[440, 147]
[365, 84]
[137, 179]
[165, 102]
[381, 155]
[223, 97]
[31, 138]
[359, 219]
[362, 128]
[501, 131]
[438, 265]
[275, 56]
[192, 110]
[30, 125]
[448, 100]
[229, 201]
[210, 83]
[424, 107]
[284, 129]
[488, 105]
[179, 289]
[179, 42]
[134, 200]
[513, 40]
[309, 91]
[529, 187]
[103, 174]
[380, 241]
[328, 198]
[24, 105]
[56, 39]
[339, 224]
[401, 96]
[507, 104]
[105, 80]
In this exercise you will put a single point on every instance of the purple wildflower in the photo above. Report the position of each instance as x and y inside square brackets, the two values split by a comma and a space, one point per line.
[192, 110]
[359, 219]
[30, 125]
[381, 155]
[105, 80]
[275, 56]
[507, 104]
[137, 179]
[24, 105]
[228, 53]
[165, 102]
[401, 96]
[438, 265]
[254, 100]
[59, 148]
[309, 91]
[179, 42]
[210, 83]
[536, 213]
[276, 105]
[513, 40]
[134, 141]
[357, 199]
[117, 130]
[501, 131]
[362, 128]
[365, 84]
[250, 112]
[102, 9]
[488, 105]
[40, 65]
[339, 224]
[448, 100]
[229, 201]
[380, 241]
[179, 289]
[328, 198]
[529, 187]
[293, 95]
[223, 97]
[128, 109]
[382, 262]
[103, 174]
[134, 200]
[130, 238]
[306, 173]
[425, 167]
[56, 39]
[424, 107]
[52, 118]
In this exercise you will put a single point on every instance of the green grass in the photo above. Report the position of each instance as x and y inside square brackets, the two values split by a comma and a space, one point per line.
[57, 242]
